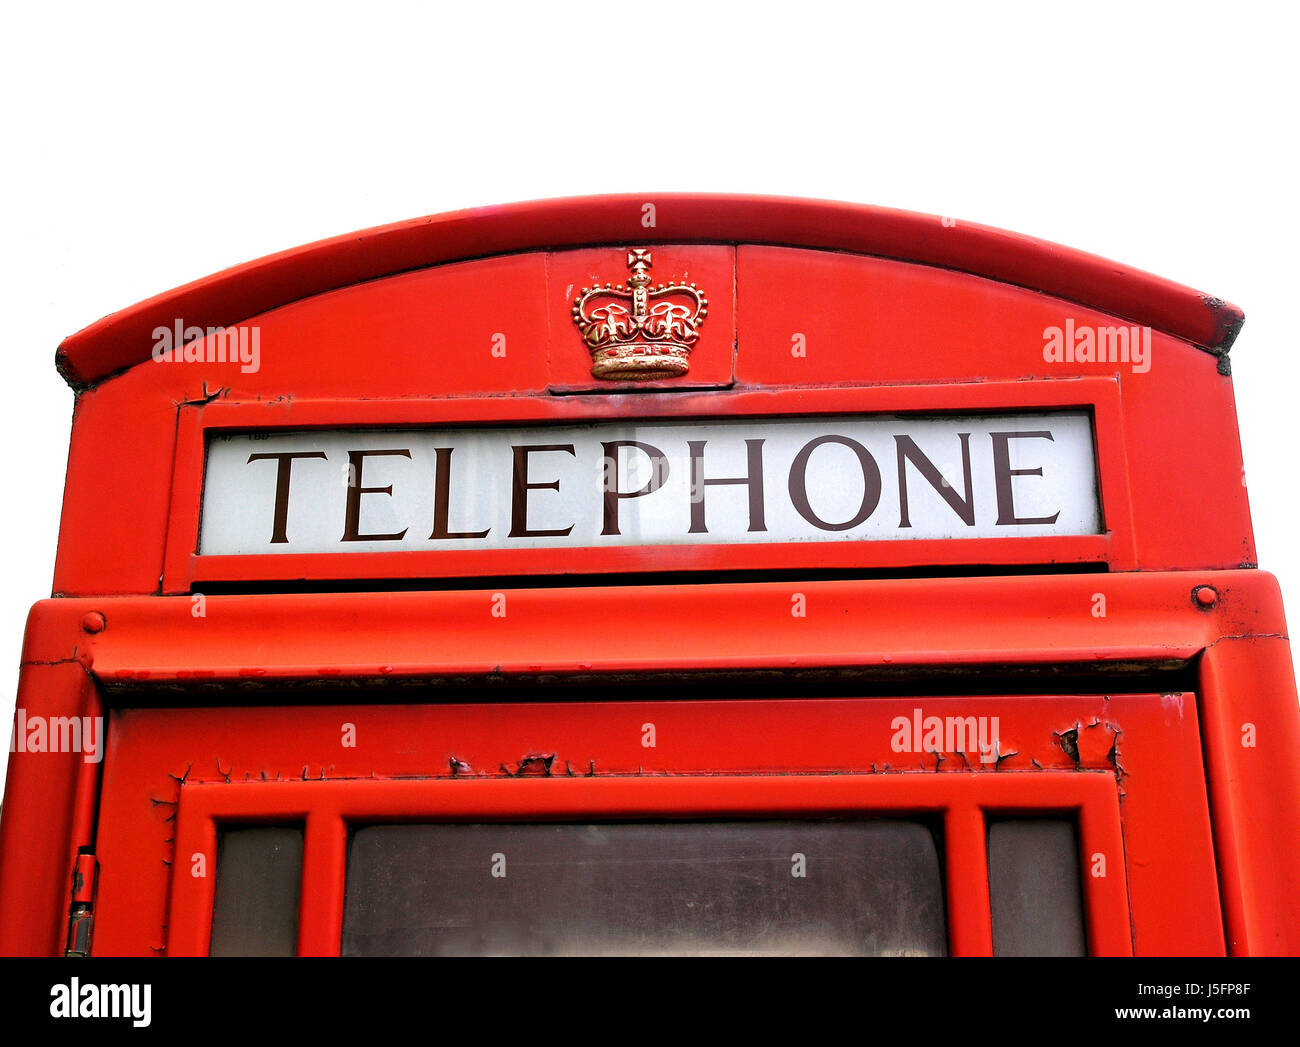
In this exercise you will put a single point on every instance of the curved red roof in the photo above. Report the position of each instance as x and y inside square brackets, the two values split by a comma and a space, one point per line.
[123, 339]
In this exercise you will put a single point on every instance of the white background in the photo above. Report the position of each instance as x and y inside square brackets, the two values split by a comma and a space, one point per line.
[148, 145]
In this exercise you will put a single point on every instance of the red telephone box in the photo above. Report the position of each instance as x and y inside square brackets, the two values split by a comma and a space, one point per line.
[671, 574]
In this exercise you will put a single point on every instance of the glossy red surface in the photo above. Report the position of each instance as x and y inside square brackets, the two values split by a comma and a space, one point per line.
[894, 313]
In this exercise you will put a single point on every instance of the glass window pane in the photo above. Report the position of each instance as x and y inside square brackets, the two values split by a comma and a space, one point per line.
[259, 871]
[1034, 889]
[765, 887]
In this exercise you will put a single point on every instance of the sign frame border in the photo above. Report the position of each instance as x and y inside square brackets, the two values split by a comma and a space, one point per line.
[185, 570]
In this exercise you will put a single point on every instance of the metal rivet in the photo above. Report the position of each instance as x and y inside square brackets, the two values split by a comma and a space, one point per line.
[93, 622]
[1205, 595]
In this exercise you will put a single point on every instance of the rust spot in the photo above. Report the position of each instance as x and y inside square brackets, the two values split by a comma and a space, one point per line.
[207, 397]
[1069, 743]
[536, 762]
[1095, 748]
[999, 756]
[1112, 754]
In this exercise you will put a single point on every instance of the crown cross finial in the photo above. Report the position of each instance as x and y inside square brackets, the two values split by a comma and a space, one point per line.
[640, 333]
[640, 262]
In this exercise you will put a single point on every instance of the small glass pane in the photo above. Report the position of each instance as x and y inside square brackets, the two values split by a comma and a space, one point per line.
[761, 887]
[1034, 889]
[259, 872]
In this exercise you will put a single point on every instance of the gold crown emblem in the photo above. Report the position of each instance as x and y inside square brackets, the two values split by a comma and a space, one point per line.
[640, 333]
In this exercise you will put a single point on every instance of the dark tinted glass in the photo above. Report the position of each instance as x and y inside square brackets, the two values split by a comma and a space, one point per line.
[678, 887]
[1034, 888]
[259, 871]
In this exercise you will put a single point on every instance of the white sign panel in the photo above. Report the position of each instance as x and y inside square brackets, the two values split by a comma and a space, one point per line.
[805, 479]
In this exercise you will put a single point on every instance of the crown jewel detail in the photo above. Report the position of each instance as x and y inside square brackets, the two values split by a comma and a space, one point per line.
[640, 333]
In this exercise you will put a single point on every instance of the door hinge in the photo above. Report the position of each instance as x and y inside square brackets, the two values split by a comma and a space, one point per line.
[81, 916]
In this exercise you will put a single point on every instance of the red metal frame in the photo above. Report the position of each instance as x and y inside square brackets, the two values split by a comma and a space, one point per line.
[229, 764]
[885, 335]
[905, 313]
[329, 808]
[1153, 619]
[185, 570]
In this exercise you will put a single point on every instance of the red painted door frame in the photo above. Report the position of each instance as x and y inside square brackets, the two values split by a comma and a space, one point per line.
[1036, 623]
